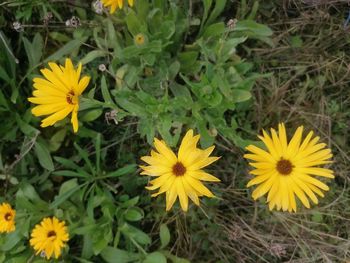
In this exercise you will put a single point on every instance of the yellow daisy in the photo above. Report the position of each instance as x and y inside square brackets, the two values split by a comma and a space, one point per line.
[58, 94]
[289, 169]
[181, 175]
[7, 218]
[49, 237]
[114, 4]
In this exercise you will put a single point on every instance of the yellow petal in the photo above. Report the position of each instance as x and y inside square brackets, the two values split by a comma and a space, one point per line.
[284, 193]
[171, 196]
[306, 189]
[283, 137]
[306, 141]
[318, 156]
[182, 194]
[315, 171]
[311, 180]
[274, 189]
[74, 119]
[203, 163]
[59, 115]
[259, 179]
[267, 140]
[198, 186]
[166, 186]
[264, 165]
[299, 193]
[264, 187]
[294, 143]
[267, 156]
[49, 108]
[191, 193]
[276, 142]
[292, 202]
[201, 175]
[83, 83]
[163, 149]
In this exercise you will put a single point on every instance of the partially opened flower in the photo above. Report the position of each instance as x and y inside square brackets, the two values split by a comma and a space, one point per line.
[7, 218]
[49, 237]
[180, 175]
[114, 4]
[288, 169]
[58, 93]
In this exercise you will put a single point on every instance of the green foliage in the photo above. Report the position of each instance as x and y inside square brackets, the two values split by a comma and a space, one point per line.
[156, 69]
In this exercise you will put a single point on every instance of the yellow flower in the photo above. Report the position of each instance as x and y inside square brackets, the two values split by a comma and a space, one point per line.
[181, 175]
[58, 94]
[49, 237]
[288, 169]
[7, 218]
[114, 4]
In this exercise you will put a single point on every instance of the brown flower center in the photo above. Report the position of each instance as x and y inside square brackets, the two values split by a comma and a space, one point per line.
[179, 169]
[8, 216]
[71, 97]
[51, 234]
[284, 167]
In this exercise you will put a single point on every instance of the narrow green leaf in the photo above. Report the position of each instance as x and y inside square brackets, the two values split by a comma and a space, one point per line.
[67, 49]
[164, 234]
[105, 92]
[91, 56]
[44, 156]
[122, 171]
[61, 198]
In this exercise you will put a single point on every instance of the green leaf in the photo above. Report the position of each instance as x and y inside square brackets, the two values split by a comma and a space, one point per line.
[133, 214]
[67, 49]
[57, 140]
[155, 257]
[65, 195]
[44, 156]
[105, 92]
[34, 50]
[122, 171]
[70, 164]
[175, 259]
[219, 7]
[133, 23]
[68, 173]
[11, 240]
[240, 95]
[214, 30]
[253, 28]
[91, 56]
[135, 234]
[164, 234]
[113, 255]
[85, 156]
[91, 115]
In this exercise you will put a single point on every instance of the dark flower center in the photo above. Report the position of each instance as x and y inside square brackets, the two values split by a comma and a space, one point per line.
[284, 167]
[70, 96]
[8, 216]
[179, 169]
[51, 234]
